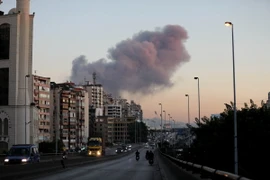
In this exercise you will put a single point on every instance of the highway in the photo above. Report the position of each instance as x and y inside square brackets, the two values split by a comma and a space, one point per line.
[123, 168]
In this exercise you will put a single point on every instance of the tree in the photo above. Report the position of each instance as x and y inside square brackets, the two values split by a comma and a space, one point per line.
[214, 143]
[141, 131]
[49, 147]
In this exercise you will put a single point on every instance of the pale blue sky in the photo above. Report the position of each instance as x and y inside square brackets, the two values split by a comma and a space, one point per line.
[67, 29]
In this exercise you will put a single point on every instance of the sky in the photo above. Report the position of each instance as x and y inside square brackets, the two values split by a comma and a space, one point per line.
[65, 30]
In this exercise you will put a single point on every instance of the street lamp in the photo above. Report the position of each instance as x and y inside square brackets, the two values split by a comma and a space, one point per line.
[174, 134]
[161, 116]
[161, 124]
[69, 96]
[230, 24]
[169, 119]
[199, 103]
[188, 109]
[164, 120]
[25, 104]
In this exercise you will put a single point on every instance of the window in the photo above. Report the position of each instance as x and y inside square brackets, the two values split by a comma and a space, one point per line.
[4, 41]
[5, 126]
[4, 81]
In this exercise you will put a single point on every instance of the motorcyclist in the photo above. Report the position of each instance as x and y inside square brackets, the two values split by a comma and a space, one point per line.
[137, 153]
[64, 154]
[147, 155]
[151, 155]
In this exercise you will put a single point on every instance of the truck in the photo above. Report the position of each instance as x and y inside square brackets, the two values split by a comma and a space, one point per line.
[95, 147]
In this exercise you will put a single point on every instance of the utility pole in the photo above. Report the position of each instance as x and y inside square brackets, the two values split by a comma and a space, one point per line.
[69, 120]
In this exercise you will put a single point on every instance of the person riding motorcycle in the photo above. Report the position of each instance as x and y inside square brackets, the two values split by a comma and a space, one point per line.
[151, 155]
[137, 153]
[147, 155]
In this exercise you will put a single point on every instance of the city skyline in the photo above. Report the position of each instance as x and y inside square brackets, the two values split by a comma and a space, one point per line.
[209, 47]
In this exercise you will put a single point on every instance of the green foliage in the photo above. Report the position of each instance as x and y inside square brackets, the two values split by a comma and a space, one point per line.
[214, 143]
[141, 129]
[49, 147]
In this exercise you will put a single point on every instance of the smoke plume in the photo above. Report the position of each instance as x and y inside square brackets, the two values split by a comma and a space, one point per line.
[138, 65]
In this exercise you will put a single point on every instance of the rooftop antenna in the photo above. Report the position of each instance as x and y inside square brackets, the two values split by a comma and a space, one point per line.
[94, 78]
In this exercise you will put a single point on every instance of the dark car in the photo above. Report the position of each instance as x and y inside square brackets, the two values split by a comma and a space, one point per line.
[125, 148]
[22, 154]
[119, 150]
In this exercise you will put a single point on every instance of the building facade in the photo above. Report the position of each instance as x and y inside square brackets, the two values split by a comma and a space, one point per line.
[41, 89]
[16, 103]
[70, 117]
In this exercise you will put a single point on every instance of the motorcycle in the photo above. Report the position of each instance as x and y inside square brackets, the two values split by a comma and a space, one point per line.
[146, 157]
[151, 161]
[137, 158]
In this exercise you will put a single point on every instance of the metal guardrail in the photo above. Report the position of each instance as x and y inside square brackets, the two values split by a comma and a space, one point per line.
[206, 172]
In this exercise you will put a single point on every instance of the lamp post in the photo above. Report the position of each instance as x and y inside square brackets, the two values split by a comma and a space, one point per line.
[230, 24]
[82, 119]
[135, 122]
[161, 116]
[173, 131]
[55, 119]
[25, 104]
[69, 96]
[164, 119]
[188, 109]
[169, 119]
[161, 124]
[199, 103]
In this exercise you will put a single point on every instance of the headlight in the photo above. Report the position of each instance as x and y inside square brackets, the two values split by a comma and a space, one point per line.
[6, 160]
[115, 150]
[24, 160]
[98, 153]
[90, 153]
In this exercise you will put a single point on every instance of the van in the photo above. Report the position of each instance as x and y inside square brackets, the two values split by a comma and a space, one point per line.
[22, 154]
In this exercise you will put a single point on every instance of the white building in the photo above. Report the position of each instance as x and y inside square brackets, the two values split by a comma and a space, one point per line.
[16, 42]
[95, 92]
[113, 110]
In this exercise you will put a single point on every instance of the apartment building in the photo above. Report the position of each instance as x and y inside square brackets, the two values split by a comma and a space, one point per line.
[113, 110]
[41, 97]
[95, 92]
[70, 114]
[95, 95]
[117, 129]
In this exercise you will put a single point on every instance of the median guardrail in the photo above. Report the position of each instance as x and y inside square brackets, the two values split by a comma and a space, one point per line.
[204, 171]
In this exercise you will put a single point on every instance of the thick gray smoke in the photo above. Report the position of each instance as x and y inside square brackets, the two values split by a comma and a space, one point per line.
[138, 65]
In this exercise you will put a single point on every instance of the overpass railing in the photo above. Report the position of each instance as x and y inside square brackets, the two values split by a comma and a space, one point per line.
[204, 171]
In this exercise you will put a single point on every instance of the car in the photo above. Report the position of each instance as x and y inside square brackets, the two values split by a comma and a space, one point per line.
[125, 148]
[119, 150]
[22, 154]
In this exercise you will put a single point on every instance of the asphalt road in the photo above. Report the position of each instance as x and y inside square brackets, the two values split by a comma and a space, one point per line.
[109, 151]
[123, 168]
